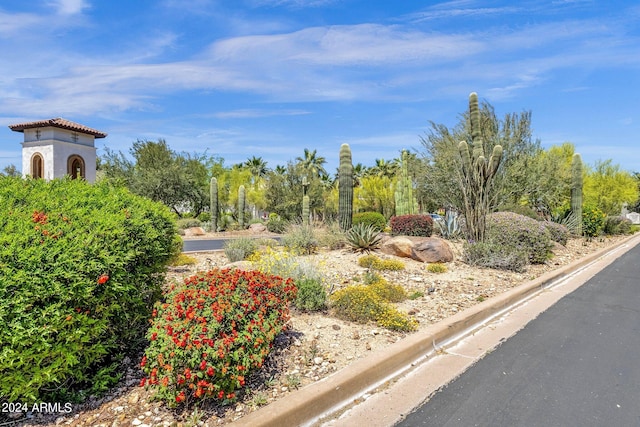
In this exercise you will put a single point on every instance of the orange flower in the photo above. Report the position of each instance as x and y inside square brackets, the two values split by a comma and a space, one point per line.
[181, 397]
[103, 279]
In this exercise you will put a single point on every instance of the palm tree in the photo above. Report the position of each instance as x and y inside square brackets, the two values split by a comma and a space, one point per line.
[384, 168]
[257, 166]
[359, 171]
[280, 170]
[312, 163]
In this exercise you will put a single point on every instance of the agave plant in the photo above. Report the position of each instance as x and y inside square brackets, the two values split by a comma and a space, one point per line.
[363, 238]
[450, 227]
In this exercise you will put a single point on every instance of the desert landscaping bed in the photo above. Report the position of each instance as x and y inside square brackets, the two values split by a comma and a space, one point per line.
[318, 344]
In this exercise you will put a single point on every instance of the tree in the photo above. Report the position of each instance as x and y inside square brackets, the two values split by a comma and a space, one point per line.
[10, 170]
[257, 166]
[516, 177]
[312, 163]
[283, 192]
[608, 187]
[375, 194]
[180, 181]
[384, 168]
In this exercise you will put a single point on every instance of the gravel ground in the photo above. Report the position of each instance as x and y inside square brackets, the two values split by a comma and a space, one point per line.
[316, 345]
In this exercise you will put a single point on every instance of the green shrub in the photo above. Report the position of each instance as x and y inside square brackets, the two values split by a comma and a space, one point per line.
[390, 292]
[436, 267]
[212, 331]
[592, 221]
[495, 255]
[183, 259]
[374, 219]
[301, 239]
[558, 232]
[412, 225]
[372, 261]
[240, 249]
[276, 224]
[363, 238]
[286, 264]
[616, 225]
[361, 304]
[527, 211]
[205, 216]
[184, 223]
[331, 236]
[519, 232]
[80, 268]
[312, 295]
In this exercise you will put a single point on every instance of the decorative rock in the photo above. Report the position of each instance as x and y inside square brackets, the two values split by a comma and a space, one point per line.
[398, 246]
[194, 231]
[432, 249]
[257, 228]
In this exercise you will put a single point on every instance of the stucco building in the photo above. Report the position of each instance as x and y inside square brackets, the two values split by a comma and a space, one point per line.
[57, 147]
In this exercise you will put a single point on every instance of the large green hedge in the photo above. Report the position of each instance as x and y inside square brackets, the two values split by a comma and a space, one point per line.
[80, 268]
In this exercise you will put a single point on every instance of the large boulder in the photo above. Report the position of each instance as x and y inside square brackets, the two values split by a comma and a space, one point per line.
[194, 231]
[432, 249]
[424, 249]
[397, 246]
[257, 228]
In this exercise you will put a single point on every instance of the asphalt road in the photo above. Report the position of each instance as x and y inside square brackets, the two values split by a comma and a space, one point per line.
[577, 364]
[206, 245]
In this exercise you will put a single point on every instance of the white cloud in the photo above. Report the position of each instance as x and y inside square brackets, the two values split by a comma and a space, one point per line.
[69, 7]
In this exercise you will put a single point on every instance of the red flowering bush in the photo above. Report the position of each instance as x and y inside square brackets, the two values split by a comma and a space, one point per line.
[212, 331]
[412, 225]
[80, 269]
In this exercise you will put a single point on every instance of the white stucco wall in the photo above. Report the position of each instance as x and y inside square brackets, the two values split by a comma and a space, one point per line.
[56, 146]
[46, 151]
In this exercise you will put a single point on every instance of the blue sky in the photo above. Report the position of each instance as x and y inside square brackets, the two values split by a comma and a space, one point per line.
[272, 77]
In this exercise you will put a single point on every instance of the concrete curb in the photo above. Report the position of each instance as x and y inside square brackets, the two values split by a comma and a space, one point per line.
[338, 390]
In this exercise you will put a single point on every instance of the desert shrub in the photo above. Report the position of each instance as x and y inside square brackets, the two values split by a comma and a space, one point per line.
[592, 221]
[188, 223]
[527, 211]
[374, 219]
[276, 224]
[312, 295]
[183, 259]
[390, 292]
[412, 225]
[287, 264]
[301, 239]
[372, 261]
[363, 238]
[520, 232]
[558, 232]
[436, 267]
[331, 236]
[615, 225]
[205, 216]
[495, 255]
[212, 331]
[80, 268]
[361, 304]
[569, 220]
[240, 249]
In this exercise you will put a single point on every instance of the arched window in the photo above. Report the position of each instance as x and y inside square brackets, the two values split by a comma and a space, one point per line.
[75, 167]
[37, 166]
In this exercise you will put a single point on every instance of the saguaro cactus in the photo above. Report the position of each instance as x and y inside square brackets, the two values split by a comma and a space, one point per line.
[476, 175]
[345, 188]
[405, 201]
[241, 206]
[305, 201]
[213, 203]
[576, 191]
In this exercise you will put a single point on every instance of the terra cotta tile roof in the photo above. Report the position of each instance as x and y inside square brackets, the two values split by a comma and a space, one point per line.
[58, 123]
